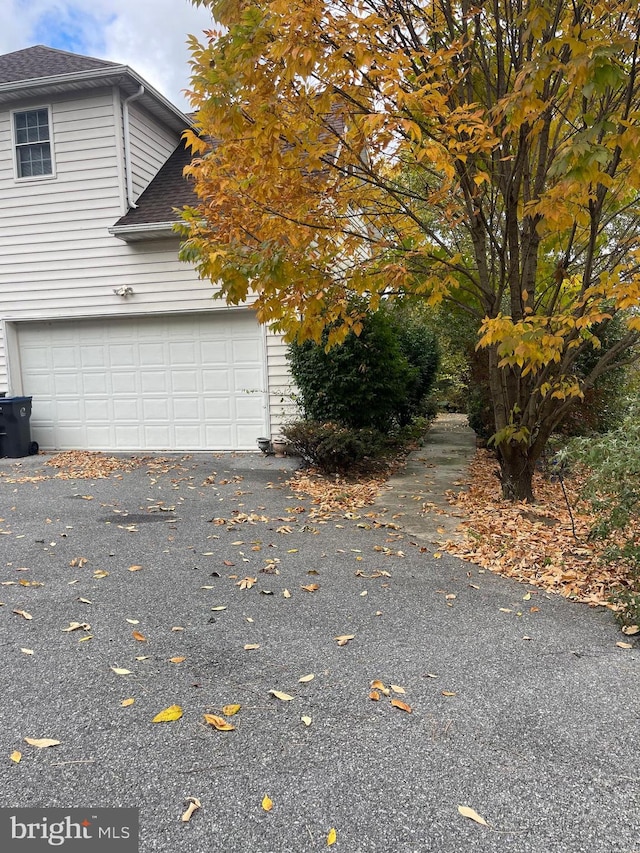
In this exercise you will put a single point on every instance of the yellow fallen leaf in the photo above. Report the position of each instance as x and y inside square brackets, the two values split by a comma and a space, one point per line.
[134, 568]
[331, 837]
[527, 597]
[344, 639]
[16, 756]
[447, 693]
[23, 613]
[218, 723]
[193, 803]
[402, 705]
[312, 587]
[284, 697]
[100, 573]
[173, 712]
[179, 628]
[630, 630]
[306, 720]
[397, 689]
[437, 555]
[451, 596]
[231, 710]
[465, 811]
[126, 702]
[286, 593]
[220, 607]
[42, 742]
[378, 685]
[624, 645]
[138, 636]
[119, 671]
[176, 660]
[133, 621]
[27, 651]
[267, 803]
[84, 639]
[306, 678]
[250, 646]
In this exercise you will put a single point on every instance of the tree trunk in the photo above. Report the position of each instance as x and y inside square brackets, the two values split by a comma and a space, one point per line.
[516, 472]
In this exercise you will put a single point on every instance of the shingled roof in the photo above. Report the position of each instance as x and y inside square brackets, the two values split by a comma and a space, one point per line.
[41, 61]
[169, 189]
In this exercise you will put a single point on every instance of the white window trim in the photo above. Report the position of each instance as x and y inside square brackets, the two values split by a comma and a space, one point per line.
[14, 145]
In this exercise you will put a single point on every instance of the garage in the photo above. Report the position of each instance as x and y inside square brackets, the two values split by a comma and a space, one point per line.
[174, 382]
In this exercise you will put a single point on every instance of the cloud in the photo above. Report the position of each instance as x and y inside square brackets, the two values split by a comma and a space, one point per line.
[148, 35]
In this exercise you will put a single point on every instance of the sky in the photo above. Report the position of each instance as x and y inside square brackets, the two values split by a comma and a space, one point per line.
[147, 35]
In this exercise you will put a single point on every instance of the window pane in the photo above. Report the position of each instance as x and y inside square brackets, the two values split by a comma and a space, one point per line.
[34, 160]
[33, 152]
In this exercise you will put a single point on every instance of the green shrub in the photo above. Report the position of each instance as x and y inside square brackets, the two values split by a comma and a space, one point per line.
[613, 489]
[376, 380]
[335, 449]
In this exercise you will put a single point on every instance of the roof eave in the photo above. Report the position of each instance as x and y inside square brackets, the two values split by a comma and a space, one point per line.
[146, 231]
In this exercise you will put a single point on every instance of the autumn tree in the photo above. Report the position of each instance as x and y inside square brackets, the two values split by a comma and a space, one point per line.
[479, 153]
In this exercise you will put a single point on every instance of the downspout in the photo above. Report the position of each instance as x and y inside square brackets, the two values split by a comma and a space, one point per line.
[127, 146]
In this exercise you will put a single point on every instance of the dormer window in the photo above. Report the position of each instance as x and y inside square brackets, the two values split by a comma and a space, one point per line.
[32, 138]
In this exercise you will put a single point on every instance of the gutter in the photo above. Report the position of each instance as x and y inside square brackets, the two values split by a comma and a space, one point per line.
[160, 229]
[127, 144]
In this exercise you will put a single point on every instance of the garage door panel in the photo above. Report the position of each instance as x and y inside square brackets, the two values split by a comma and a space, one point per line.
[156, 383]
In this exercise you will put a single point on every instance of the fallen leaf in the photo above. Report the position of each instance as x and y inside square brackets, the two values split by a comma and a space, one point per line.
[177, 660]
[312, 587]
[138, 636]
[527, 597]
[218, 723]
[193, 804]
[430, 675]
[173, 712]
[84, 639]
[247, 583]
[465, 811]
[219, 607]
[267, 803]
[624, 645]
[284, 697]
[100, 573]
[134, 568]
[133, 621]
[126, 702]
[142, 657]
[231, 710]
[402, 705]
[451, 596]
[42, 742]
[306, 720]
[397, 689]
[27, 651]
[306, 678]
[76, 626]
[16, 755]
[286, 593]
[331, 837]
[344, 639]
[378, 685]
[374, 695]
[505, 610]
[447, 693]
[251, 646]
[23, 613]
[179, 628]
[437, 555]
[120, 671]
[630, 630]
[85, 601]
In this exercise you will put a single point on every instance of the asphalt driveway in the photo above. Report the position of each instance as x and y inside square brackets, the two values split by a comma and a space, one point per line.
[522, 705]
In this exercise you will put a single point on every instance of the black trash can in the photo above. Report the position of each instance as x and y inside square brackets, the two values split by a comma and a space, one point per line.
[15, 428]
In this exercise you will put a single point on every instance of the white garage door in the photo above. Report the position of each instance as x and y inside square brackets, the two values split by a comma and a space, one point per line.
[180, 382]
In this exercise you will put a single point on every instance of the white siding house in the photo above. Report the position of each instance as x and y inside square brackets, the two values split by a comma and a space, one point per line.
[118, 342]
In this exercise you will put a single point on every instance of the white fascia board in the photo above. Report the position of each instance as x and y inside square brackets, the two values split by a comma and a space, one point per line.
[138, 232]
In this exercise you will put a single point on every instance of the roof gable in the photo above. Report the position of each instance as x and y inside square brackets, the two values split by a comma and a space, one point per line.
[41, 61]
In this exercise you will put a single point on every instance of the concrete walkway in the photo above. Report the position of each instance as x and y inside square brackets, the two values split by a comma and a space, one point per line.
[416, 497]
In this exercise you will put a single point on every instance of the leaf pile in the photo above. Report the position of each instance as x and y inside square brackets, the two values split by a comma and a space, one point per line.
[91, 465]
[331, 495]
[534, 543]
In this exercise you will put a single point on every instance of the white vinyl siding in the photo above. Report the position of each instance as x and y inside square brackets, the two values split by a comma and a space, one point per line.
[281, 390]
[151, 145]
